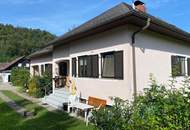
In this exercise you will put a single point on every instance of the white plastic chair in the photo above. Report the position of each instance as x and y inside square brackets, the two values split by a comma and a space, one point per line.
[73, 99]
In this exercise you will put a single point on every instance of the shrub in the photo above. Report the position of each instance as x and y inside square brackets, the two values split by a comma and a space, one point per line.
[20, 77]
[45, 83]
[113, 118]
[159, 108]
[33, 86]
[39, 86]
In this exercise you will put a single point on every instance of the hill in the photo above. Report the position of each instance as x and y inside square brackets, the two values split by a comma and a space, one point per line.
[18, 41]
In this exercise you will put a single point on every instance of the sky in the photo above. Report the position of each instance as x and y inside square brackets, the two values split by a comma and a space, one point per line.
[58, 16]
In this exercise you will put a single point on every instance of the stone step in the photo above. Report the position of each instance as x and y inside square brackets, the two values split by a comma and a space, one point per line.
[54, 104]
[57, 99]
[60, 95]
[62, 92]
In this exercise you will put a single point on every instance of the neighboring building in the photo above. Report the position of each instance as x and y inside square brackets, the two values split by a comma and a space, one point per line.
[41, 61]
[5, 68]
[105, 58]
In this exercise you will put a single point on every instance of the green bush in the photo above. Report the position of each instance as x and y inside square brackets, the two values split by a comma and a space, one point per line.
[159, 108]
[20, 77]
[33, 86]
[39, 86]
[45, 83]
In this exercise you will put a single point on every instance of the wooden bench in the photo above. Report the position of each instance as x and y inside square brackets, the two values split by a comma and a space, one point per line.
[93, 102]
[97, 102]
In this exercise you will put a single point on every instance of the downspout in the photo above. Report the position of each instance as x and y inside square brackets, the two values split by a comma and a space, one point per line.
[134, 55]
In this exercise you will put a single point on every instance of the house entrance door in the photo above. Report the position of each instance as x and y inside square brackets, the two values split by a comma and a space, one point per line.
[61, 80]
[63, 70]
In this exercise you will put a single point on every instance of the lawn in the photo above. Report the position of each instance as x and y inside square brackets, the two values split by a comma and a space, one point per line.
[44, 120]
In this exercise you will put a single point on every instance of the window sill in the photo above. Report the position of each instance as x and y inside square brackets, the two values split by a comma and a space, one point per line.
[98, 78]
[110, 78]
[179, 76]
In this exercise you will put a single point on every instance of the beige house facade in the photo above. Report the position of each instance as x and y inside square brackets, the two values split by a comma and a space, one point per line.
[103, 62]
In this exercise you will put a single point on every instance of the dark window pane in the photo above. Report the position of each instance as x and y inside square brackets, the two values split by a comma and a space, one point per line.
[74, 67]
[42, 69]
[83, 66]
[63, 69]
[80, 66]
[48, 68]
[95, 65]
[188, 66]
[89, 66]
[119, 65]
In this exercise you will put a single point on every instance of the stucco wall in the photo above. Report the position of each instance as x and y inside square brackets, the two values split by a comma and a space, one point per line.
[4, 77]
[114, 40]
[40, 60]
[153, 55]
[47, 58]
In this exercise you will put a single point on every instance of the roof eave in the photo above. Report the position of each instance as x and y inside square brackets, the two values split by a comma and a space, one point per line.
[132, 17]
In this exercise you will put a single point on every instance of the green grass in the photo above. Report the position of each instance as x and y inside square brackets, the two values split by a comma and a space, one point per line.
[44, 120]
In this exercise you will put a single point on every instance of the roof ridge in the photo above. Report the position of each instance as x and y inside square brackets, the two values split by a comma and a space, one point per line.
[117, 12]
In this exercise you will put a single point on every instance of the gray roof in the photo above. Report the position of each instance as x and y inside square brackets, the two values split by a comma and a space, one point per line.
[43, 51]
[109, 15]
[120, 15]
[4, 66]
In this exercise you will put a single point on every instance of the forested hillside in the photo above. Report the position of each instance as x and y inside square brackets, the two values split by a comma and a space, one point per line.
[17, 41]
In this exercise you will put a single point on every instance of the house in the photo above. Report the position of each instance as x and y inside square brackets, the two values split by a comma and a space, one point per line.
[5, 68]
[41, 61]
[113, 54]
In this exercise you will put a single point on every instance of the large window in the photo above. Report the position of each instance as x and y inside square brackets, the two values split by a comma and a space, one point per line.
[178, 66]
[112, 65]
[88, 66]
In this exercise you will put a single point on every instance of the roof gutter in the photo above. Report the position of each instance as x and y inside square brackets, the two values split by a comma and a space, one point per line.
[134, 55]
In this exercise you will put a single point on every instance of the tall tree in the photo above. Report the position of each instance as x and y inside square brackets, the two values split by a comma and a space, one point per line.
[18, 41]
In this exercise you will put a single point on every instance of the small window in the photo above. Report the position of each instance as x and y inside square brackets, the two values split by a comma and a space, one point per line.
[188, 66]
[112, 65]
[178, 66]
[74, 67]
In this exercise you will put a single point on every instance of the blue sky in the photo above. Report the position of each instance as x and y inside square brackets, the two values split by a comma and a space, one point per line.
[57, 16]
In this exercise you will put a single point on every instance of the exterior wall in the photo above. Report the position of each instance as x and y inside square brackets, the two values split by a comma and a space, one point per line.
[38, 61]
[153, 55]
[5, 77]
[113, 40]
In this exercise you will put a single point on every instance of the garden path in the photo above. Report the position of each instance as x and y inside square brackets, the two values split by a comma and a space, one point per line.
[9, 87]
